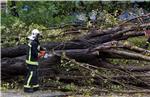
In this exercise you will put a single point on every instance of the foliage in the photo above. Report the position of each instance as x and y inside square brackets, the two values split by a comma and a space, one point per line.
[138, 41]
[51, 13]
[69, 87]
[44, 14]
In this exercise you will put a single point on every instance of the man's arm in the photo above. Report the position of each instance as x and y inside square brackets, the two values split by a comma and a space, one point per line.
[34, 49]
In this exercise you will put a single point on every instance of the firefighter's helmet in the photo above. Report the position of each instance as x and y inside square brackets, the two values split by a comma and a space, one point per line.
[34, 34]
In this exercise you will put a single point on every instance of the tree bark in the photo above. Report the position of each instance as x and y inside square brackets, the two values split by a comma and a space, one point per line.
[74, 44]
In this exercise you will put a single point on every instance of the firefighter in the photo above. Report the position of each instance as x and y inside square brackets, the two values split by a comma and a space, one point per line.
[34, 51]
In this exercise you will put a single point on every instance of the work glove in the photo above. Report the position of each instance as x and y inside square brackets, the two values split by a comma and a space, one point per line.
[46, 56]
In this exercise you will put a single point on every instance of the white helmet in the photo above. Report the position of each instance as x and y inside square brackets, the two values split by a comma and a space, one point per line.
[34, 34]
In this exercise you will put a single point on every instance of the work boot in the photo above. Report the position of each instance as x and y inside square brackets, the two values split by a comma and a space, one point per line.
[28, 90]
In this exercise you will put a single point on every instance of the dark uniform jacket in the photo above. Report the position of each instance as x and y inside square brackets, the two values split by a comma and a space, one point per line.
[32, 52]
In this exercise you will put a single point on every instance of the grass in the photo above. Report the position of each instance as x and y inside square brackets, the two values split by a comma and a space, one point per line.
[138, 41]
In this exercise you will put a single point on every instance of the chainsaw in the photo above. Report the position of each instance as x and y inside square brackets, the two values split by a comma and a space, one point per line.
[44, 54]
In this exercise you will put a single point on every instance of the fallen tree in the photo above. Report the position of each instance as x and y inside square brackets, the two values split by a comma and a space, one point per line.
[81, 43]
[94, 49]
[86, 55]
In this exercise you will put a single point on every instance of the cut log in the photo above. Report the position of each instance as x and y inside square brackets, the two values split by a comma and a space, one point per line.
[123, 54]
[103, 32]
[131, 34]
[74, 44]
[16, 66]
[12, 67]
[21, 49]
[124, 45]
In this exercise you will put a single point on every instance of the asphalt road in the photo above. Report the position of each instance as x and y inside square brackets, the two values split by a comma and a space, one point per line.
[20, 93]
[49, 93]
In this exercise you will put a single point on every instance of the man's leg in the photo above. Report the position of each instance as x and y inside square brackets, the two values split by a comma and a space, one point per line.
[27, 84]
[35, 82]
